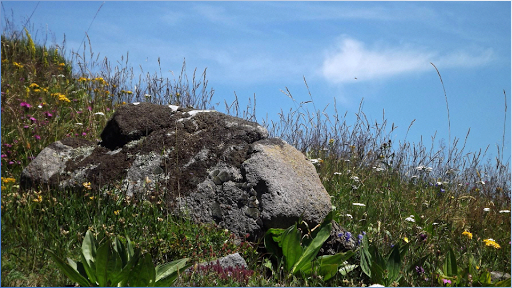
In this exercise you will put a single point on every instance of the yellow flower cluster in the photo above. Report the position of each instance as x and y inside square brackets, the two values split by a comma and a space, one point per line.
[491, 243]
[97, 79]
[467, 234]
[87, 185]
[127, 92]
[17, 65]
[61, 97]
[8, 180]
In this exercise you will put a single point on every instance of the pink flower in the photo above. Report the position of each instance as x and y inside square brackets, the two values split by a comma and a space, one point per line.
[84, 134]
[37, 137]
[32, 119]
[25, 104]
[447, 281]
[89, 108]
[48, 114]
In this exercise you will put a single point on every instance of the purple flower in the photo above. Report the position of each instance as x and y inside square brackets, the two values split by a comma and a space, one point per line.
[37, 137]
[447, 281]
[84, 134]
[442, 190]
[26, 126]
[348, 235]
[423, 237]
[48, 114]
[420, 270]
[32, 119]
[340, 234]
[25, 104]
[3, 155]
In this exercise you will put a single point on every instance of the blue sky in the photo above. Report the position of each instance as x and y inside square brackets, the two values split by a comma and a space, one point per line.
[262, 47]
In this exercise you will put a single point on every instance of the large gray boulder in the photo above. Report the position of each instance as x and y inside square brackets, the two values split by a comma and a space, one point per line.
[211, 166]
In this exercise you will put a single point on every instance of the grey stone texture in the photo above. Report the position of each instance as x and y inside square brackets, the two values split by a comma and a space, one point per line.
[205, 164]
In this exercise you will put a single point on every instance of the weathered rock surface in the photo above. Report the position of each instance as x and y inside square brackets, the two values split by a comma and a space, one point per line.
[213, 166]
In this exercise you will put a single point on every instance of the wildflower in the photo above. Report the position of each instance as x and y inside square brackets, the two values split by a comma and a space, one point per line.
[48, 114]
[358, 204]
[491, 243]
[337, 173]
[504, 211]
[33, 86]
[420, 270]
[349, 216]
[410, 219]
[468, 234]
[38, 199]
[92, 197]
[8, 180]
[37, 137]
[84, 134]
[487, 209]
[316, 161]
[117, 212]
[480, 182]
[25, 104]
[423, 237]
[87, 185]
[17, 65]
[99, 113]
[354, 178]
[159, 219]
[447, 281]
[406, 240]
[378, 169]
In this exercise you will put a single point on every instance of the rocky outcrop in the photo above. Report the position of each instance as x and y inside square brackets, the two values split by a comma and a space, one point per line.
[211, 166]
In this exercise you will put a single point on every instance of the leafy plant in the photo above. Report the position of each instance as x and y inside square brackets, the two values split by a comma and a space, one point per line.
[299, 253]
[452, 275]
[382, 269]
[113, 264]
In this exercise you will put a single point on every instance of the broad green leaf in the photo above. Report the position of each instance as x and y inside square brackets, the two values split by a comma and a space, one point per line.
[90, 269]
[143, 274]
[377, 273]
[485, 277]
[129, 248]
[393, 263]
[121, 250]
[450, 264]
[503, 283]
[366, 258]
[102, 261]
[89, 247]
[344, 270]
[167, 273]
[272, 245]
[70, 271]
[292, 250]
[125, 274]
[312, 250]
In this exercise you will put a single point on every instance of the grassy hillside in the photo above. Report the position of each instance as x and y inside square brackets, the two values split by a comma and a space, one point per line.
[431, 201]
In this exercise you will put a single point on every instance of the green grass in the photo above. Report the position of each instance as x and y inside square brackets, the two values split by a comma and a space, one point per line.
[46, 97]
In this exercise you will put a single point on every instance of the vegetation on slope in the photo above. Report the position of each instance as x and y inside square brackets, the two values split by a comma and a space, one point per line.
[441, 205]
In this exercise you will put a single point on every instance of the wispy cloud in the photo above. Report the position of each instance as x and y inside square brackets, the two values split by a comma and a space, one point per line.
[352, 59]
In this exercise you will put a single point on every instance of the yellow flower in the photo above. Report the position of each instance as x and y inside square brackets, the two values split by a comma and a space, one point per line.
[160, 219]
[406, 240]
[491, 243]
[34, 86]
[467, 234]
[62, 64]
[18, 65]
[117, 212]
[38, 199]
[3, 188]
[8, 180]
[88, 186]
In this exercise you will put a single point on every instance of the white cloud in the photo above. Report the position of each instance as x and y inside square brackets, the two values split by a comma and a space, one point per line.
[353, 60]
